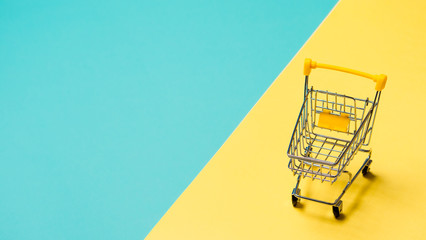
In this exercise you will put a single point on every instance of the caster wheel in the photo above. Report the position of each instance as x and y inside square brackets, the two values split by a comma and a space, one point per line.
[294, 199]
[366, 168]
[338, 209]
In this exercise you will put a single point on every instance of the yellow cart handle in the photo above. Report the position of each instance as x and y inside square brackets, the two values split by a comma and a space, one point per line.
[380, 79]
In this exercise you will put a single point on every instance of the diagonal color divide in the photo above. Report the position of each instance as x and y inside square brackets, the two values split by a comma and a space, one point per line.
[244, 191]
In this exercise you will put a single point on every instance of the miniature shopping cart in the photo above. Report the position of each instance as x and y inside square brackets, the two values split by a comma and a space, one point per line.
[330, 130]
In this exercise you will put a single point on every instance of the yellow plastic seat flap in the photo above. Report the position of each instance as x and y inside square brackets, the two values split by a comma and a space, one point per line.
[334, 122]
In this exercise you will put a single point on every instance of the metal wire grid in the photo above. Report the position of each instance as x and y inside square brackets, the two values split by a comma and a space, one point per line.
[324, 157]
[338, 104]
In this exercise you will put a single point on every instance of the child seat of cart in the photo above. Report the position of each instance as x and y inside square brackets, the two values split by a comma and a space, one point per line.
[334, 122]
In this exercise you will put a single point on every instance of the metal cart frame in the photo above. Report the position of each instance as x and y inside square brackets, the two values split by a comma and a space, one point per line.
[330, 130]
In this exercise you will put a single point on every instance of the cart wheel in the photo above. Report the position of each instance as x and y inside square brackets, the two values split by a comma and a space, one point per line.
[366, 168]
[338, 209]
[294, 199]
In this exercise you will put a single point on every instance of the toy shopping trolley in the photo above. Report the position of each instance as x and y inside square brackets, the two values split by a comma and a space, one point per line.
[330, 130]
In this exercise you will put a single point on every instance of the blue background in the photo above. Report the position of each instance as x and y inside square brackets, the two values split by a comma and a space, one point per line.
[109, 109]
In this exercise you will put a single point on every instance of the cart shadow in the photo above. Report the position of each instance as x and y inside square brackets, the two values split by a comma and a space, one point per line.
[341, 217]
[357, 200]
[299, 206]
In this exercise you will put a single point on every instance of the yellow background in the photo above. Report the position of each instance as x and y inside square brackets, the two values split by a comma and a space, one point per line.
[244, 191]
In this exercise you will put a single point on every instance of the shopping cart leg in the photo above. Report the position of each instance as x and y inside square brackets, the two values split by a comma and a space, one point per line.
[337, 209]
[294, 199]
[296, 192]
[366, 168]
